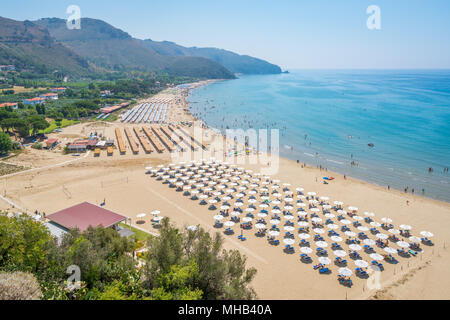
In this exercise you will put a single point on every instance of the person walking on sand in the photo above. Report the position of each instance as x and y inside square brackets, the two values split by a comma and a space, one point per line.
[407, 202]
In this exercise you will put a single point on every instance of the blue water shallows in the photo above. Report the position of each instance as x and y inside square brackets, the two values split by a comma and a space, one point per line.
[331, 117]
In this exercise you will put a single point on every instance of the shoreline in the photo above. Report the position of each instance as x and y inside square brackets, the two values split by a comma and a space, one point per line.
[327, 172]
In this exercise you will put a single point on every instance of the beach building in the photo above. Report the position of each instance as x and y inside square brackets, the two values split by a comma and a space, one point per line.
[7, 67]
[59, 90]
[79, 145]
[105, 93]
[51, 96]
[13, 105]
[33, 101]
[92, 143]
[51, 143]
[82, 216]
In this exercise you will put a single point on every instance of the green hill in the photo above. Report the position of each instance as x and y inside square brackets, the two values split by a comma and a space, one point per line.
[29, 46]
[112, 48]
[230, 60]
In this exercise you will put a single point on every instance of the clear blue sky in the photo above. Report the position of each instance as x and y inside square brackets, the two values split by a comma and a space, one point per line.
[291, 33]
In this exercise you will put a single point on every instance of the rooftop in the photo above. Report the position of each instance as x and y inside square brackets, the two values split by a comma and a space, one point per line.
[84, 215]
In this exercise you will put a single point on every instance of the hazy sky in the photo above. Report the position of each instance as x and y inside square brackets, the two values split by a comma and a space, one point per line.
[291, 33]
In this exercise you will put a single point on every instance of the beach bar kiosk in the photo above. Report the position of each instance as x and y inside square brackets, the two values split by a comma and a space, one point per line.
[85, 215]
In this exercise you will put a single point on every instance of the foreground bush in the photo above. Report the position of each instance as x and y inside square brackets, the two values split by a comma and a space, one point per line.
[19, 286]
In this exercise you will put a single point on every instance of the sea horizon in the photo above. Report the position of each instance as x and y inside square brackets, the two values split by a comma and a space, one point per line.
[328, 118]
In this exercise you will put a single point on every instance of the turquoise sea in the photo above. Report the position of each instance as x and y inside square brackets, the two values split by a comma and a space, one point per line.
[329, 118]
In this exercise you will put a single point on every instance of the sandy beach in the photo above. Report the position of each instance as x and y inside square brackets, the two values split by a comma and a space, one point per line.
[65, 180]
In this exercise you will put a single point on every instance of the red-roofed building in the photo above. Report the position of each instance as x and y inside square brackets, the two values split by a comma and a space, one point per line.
[33, 101]
[85, 215]
[53, 96]
[61, 89]
[51, 143]
[13, 105]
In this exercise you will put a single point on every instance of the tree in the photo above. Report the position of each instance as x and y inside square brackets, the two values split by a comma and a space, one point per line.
[37, 123]
[5, 143]
[221, 274]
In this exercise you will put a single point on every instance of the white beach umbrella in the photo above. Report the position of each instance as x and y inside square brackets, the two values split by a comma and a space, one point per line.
[330, 216]
[312, 194]
[289, 217]
[332, 226]
[250, 210]
[324, 260]
[376, 256]
[289, 200]
[289, 228]
[262, 215]
[352, 208]
[274, 233]
[415, 239]
[274, 222]
[340, 253]
[260, 226]
[238, 204]
[346, 272]
[355, 247]
[229, 224]
[322, 244]
[304, 236]
[361, 263]
[276, 202]
[326, 207]
[338, 203]
[357, 218]
[289, 241]
[224, 207]
[141, 215]
[316, 220]
[218, 218]
[155, 212]
[369, 242]
[315, 210]
[405, 227]
[235, 214]
[264, 206]
[386, 220]
[302, 213]
[336, 239]
[324, 198]
[276, 211]
[299, 189]
[363, 229]
[382, 236]
[303, 224]
[306, 250]
[403, 244]
[301, 205]
[350, 234]
[393, 231]
[345, 221]
[213, 201]
[288, 207]
[390, 250]
[319, 231]
[427, 234]
[369, 214]
[247, 219]
[226, 198]
[192, 228]
[375, 224]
